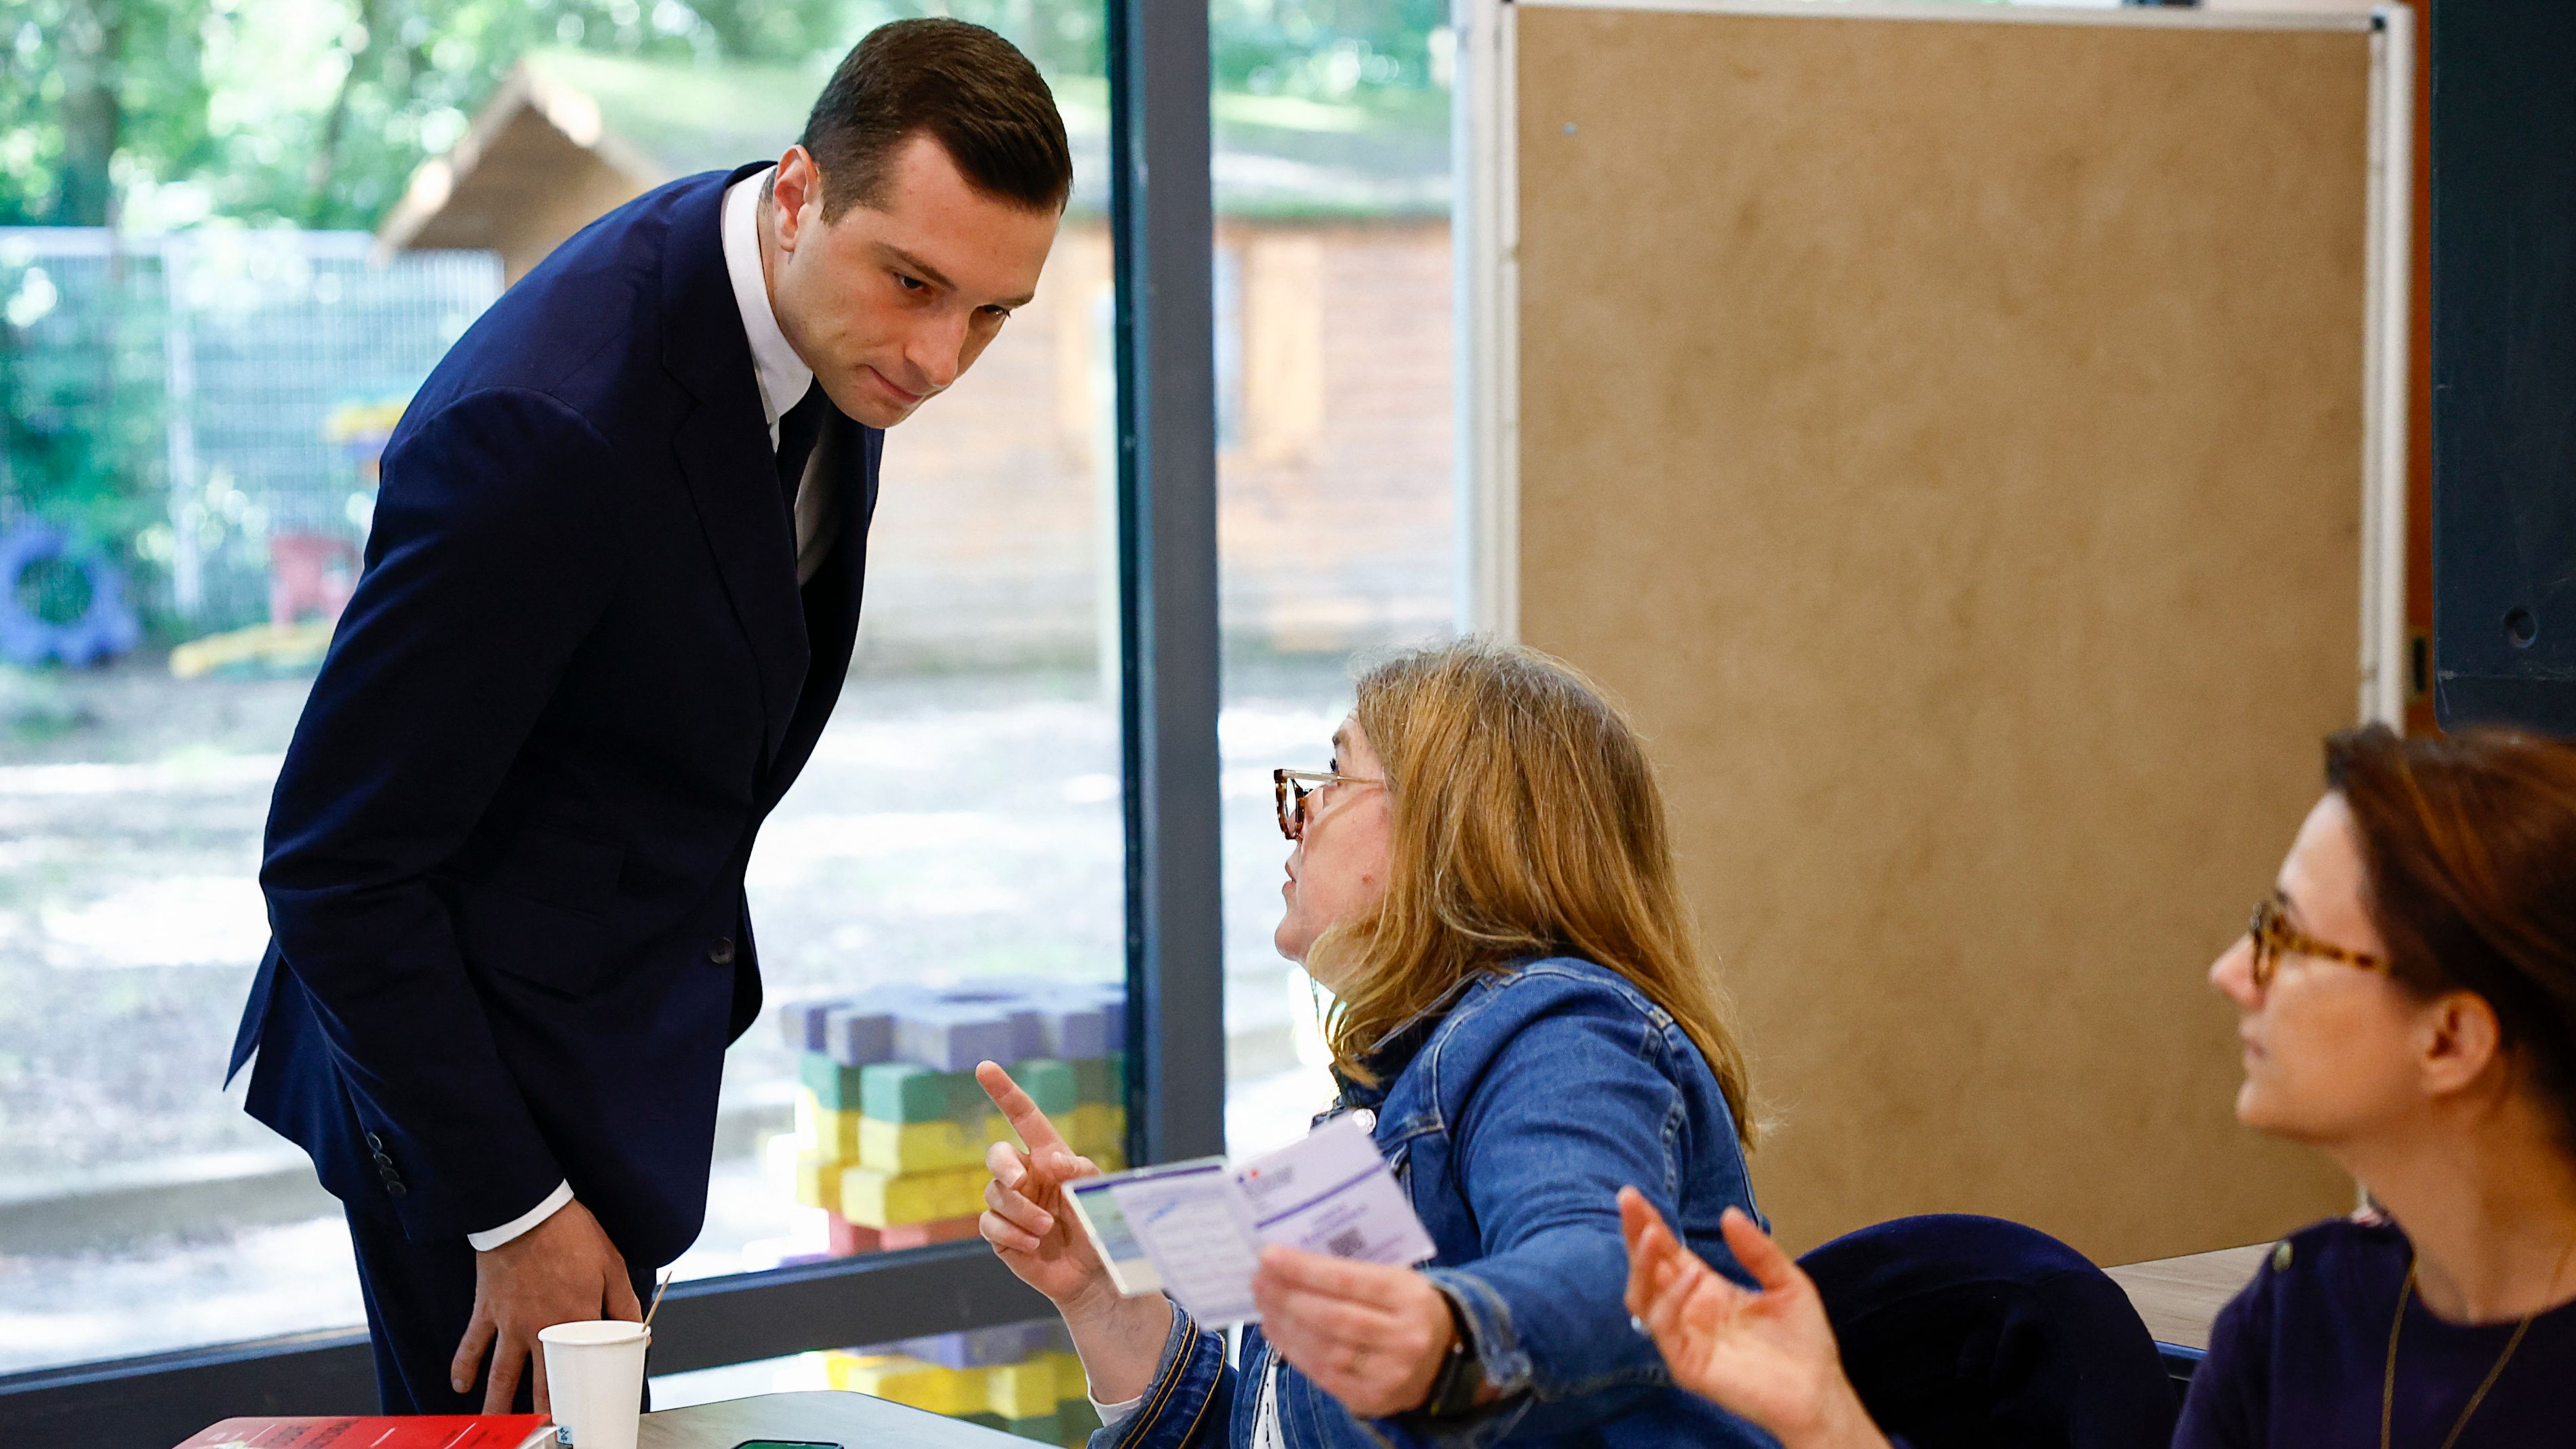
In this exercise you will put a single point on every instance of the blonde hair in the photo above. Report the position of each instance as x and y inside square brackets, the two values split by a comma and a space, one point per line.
[1527, 822]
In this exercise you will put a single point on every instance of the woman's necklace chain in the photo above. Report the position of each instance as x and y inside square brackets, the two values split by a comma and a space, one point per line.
[2388, 1380]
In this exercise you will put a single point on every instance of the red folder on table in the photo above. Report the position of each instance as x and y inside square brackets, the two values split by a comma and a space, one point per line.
[421, 1431]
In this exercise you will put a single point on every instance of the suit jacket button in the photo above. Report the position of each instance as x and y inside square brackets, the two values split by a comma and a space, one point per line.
[721, 952]
[375, 1143]
[396, 1189]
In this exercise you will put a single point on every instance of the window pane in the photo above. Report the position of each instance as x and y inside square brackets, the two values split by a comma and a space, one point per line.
[1336, 503]
[956, 839]
[1021, 1378]
[959, 830]
[191, 431]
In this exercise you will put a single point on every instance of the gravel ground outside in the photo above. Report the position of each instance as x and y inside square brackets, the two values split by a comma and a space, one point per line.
[948, 827]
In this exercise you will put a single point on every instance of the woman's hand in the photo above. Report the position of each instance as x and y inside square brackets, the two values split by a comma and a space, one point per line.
[1766, 1355]
[1026, 1217]
[1370, 1336]
[1030, 1224]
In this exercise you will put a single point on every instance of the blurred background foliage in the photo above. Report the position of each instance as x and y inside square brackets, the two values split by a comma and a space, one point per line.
[163, 116]
[154, 114]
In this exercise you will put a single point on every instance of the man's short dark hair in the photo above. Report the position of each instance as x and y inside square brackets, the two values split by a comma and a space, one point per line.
[961, 84]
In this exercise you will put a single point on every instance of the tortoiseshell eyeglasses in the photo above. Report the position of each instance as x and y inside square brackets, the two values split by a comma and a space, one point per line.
[1292, 788]
[2274, 937]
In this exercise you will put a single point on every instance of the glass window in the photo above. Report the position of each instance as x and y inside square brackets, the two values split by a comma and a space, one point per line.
[1020, 1378]
[1335, 487]
[191, 428]
[194, 431]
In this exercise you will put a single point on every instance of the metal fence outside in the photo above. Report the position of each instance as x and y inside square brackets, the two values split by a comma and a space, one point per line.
[194, 403]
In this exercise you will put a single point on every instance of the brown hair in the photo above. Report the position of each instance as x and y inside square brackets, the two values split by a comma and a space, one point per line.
[2469, 842]
[1527, 822]
[967, 88]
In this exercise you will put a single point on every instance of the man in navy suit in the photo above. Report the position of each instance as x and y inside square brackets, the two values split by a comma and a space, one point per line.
[608, 603]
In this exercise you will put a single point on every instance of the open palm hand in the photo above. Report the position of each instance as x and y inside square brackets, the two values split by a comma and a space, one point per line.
[1767, 1354]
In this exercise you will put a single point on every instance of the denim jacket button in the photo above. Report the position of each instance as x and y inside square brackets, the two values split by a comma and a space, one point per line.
[1366, 1118]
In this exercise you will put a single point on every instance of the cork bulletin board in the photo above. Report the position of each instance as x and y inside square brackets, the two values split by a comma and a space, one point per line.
[1959, 440]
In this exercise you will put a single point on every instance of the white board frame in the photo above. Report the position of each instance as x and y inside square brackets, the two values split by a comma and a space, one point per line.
[1487, 241]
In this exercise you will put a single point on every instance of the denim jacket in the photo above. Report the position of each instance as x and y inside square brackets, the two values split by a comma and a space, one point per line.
[1512, 1113]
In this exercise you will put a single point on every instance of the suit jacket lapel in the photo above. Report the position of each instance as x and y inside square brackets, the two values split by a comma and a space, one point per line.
[723, 448]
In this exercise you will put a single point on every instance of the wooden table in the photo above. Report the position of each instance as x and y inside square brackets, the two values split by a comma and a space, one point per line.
[2180, 1297]
[855, 1421]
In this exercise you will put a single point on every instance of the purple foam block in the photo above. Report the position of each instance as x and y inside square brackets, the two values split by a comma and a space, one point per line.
[1028, 1034]
[976, 1348]
[1013, 997]
[1074, 1033]
[948, 1350]
[1009, 1343]
[801, 1022]
[857, 1036]
[953, 1038]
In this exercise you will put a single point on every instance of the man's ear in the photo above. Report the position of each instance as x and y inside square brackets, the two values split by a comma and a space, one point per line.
[796, 195]
[2461, 1041]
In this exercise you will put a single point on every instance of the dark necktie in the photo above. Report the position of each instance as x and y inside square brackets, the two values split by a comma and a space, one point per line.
[797, 431]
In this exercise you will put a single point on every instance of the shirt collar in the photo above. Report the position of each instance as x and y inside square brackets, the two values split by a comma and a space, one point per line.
[783, 376]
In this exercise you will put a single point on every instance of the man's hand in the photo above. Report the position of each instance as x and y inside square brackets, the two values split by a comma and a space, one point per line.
[563, 1270]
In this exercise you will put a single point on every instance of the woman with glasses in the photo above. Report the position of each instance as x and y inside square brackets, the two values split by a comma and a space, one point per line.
[1523, 1018]
[2407, 1000]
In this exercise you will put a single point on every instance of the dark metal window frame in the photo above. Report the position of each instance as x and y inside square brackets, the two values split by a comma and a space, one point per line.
[1163, 228]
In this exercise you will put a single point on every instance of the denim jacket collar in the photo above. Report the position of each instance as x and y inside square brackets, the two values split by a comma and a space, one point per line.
[1392, 1052]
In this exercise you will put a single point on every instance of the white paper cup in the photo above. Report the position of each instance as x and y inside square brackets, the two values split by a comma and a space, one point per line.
[595, 1380]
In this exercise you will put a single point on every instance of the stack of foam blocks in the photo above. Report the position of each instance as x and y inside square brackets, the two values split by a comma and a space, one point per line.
[891, 1125]
[1021, 1378]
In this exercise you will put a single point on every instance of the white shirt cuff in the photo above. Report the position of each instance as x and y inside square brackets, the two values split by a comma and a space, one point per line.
[1113, 1415]
[485, 1242]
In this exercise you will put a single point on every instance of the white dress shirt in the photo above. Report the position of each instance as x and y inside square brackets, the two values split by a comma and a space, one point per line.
[783, 379]
[783, 376]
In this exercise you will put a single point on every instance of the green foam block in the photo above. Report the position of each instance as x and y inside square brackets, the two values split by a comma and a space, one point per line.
[1101, 1079]
[902, 1092]
[1074, 1418]
[837, 1086]
[1053, 1085]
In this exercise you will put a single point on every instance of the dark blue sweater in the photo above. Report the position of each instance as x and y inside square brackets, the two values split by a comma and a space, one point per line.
[2299, 1358]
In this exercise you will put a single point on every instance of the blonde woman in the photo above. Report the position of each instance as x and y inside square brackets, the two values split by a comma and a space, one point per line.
[1482, 877]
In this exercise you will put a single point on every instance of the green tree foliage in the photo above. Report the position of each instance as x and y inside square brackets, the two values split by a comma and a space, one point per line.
[1326, 49]
[316, 113]
[91, 90]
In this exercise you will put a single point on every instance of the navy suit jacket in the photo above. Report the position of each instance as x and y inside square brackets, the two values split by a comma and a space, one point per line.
[504, 864]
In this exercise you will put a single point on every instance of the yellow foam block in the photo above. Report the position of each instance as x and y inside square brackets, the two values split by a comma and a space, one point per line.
[884, 1200]
[818, 1180]
[906, 1147]
[836, 1134]
[1020, 1390]
[1066, 1369]
[1094, 1128]
[903, 1379]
